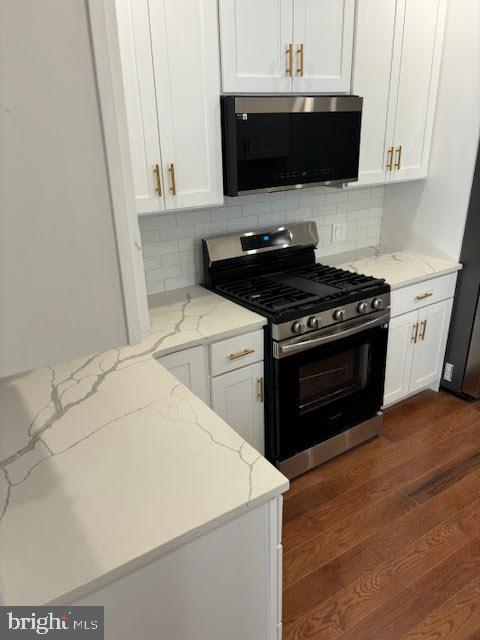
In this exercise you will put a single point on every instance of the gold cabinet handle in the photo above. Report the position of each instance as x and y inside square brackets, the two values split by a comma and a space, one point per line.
[390, 159]
[240, 354]
[260, 390]
[398, 163]
[156, 171]
[423, 330]
[428, 294]
[300, 59]
[171, 173]
[289, 53]
[415, 333]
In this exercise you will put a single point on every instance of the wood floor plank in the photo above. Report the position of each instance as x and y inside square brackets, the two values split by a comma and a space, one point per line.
[326, 581]
[411, 422]
[311, 523]
[386, 542]
[376, 588]
[456, 619]
[382, 543]
[309, 556]
[411, 406]
[400, 452]
[444, 476]
[418, 600]
[310, 498]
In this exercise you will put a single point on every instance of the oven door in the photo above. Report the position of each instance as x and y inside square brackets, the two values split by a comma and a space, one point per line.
[327, 382]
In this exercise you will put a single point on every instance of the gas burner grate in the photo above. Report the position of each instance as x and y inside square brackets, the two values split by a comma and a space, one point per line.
[343, 280]
[268, 294]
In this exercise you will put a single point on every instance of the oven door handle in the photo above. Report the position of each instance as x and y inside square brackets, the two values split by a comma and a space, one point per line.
[285, 350]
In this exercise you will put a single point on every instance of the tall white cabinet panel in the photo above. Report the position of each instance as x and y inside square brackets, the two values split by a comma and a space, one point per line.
[187, 79]
[399, 357]
[397, 54]
[237, 397]
[372, 68]
[423, 27]
[140, 101]
[254, 39]
[189, 366]
[433, 322]
[323, 41]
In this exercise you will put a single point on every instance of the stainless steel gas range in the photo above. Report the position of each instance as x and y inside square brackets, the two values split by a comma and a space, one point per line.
[325, 342]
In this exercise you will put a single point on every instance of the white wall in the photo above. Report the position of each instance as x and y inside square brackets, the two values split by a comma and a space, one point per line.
[60, 289]
[172, 242]
[429, 216]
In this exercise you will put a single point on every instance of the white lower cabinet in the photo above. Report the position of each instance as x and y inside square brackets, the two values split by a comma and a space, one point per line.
[399, 357]
[236, 389]
[416, 348]
[237, 397]
[189, 366]
[433, 322]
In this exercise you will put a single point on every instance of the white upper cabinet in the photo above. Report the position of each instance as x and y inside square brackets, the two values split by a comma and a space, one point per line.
[140, 101]
[396, 70]
[422, 39]
[171, 71]
[371, 80]
[323, 42]
[255, 37]
[286, 45]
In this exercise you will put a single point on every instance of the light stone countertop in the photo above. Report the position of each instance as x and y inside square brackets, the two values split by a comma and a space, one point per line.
[399, 268]
[108, 462]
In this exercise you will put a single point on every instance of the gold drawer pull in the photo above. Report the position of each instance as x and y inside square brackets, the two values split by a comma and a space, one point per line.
[300, 60]
[428, 294]
[171, 171]
[156, 171]
[390, 159]
[415, 333]
[260, 390]
[424, 329]
[289, 53]
[240, 354]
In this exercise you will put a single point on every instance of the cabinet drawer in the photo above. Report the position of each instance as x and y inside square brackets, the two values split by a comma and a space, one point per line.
[422, 294]
[233, 353]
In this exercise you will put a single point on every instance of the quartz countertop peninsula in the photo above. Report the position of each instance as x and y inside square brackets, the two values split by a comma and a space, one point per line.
[108, 462]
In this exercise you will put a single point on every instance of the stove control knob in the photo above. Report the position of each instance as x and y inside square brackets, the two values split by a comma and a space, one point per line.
[313, 322]
[297, 327]
[377, 304]
[339, 314]
[362, 307]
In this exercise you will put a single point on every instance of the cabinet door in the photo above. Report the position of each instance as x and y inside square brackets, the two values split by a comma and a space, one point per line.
[187, 81]
[323, 40]
[190, 368]
[399, 357]
[430, 348]
[237, 397]
[421, 45]
[254, 38]
[140, 101]
[372, 68]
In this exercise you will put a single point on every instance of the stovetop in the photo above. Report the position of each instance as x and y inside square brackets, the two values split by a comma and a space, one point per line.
[312, 288]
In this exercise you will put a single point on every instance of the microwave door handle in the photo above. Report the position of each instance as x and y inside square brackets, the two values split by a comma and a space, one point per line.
[297, 347]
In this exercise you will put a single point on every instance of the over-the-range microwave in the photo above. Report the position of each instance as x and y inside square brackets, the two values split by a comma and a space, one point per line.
[272, 143]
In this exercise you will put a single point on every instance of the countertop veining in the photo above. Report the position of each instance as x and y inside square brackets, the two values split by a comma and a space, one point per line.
[107, 462]
[399, 268]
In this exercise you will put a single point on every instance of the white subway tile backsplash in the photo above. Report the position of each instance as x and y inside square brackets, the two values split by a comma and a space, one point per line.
[172, 241]
[160, 248]
[193, 217]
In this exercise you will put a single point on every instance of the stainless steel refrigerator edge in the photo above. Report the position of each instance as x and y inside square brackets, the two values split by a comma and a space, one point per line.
[462, 361]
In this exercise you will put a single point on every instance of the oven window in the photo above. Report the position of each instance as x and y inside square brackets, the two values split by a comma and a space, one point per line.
[333, 377]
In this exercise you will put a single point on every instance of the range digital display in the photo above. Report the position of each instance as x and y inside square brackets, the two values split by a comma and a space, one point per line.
[262, 240]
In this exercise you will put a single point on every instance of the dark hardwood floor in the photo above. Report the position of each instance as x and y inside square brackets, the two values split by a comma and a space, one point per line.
[383, 543]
